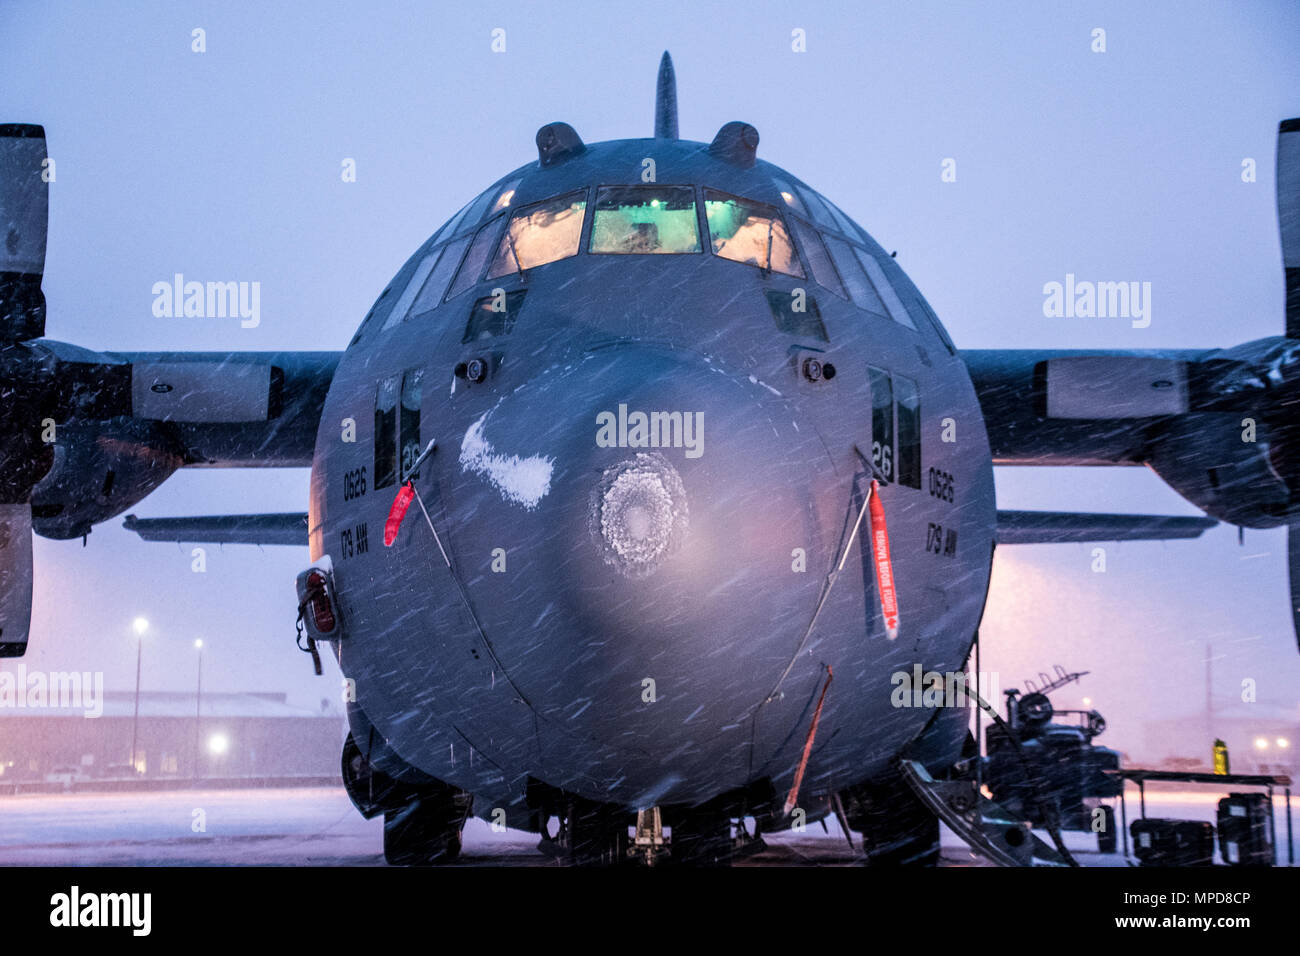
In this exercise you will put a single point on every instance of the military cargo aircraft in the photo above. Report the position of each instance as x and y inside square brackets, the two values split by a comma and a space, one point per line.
[694, 472]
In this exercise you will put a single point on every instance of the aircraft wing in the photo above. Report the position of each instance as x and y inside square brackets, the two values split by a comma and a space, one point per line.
[1221, 427]
[1056, 527]
[1058, 407]
[285, 528]
[232, 409]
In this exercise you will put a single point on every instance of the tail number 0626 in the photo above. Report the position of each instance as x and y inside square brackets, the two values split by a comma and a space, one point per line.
[941, 485]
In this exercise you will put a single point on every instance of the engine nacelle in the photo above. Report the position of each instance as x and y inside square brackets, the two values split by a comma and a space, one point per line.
[100, 470]
[1236, 453]
[1204, 458]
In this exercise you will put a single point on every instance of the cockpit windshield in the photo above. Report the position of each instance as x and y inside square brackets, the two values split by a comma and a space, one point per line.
[641, 219]
[541, 233]
[751, 232]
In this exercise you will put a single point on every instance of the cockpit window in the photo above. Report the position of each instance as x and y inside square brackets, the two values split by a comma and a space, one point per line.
[475, 258]
[746, 231]
[897, 311]
[492, 316]
[841, 220]
[822, 269]
[398, 313]
[430, 296]
[821, 215]
[911, 295]
[645, 219]
[505, 196]
[855, 279]
[451, 225]
[541, 233]
[477, 208]
[799, 318]
[790, 196]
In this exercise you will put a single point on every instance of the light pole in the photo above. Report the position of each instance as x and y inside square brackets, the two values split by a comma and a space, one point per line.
[139, 625]
[198, 706]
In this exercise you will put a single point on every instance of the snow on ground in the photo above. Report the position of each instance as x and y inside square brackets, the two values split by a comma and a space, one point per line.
[318, 826]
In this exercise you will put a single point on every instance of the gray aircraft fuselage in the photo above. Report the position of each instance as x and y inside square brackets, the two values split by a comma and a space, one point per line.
[639, 605]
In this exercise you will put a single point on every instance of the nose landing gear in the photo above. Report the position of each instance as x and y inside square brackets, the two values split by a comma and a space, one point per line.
[426, 829]
[589, 834]
[422, 820]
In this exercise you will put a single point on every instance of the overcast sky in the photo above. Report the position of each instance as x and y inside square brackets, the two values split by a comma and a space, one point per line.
[225, 165]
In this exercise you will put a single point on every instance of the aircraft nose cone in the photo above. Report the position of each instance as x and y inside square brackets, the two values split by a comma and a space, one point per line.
[650, 503]
[639, 514]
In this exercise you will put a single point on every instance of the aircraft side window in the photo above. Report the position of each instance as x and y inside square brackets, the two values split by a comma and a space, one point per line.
[399, 311]
[645, 219]
[478, 207]
[935, 324]
[751, 232]
[819, 261]
[897, 311]
[490, 317]
[918, 306]
[909, 431]
[475, 259]
[882, 423]
[386, 433]
[841, 220]
[451, 225]
[365, 323]
[806, 324]
[820, 214]
[541, 233]
[388, 298]
[431, 292]
[855, 280]
[409, 420]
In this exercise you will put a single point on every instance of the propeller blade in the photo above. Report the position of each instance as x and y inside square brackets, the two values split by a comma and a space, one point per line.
[1293, 574]
[1288, 217]
[15, 578]
[24, 220]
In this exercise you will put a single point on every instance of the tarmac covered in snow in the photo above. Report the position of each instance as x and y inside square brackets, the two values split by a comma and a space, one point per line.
[317, 826]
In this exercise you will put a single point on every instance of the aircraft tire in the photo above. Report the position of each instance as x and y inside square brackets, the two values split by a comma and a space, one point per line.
[426, 830]
[701, 838]
[897, 828]
[594, 835]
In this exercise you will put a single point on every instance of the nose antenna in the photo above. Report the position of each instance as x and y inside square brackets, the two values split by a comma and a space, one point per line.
[666, 100]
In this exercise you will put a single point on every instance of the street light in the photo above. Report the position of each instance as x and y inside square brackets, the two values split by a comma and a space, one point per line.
[139, 625]
[198, 705]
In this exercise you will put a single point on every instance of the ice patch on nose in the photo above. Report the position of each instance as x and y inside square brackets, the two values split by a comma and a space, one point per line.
[639, 514]
[524, 481]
